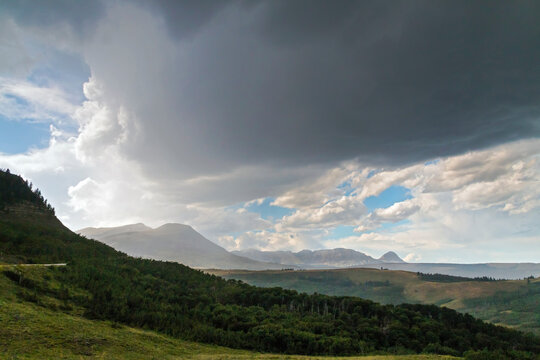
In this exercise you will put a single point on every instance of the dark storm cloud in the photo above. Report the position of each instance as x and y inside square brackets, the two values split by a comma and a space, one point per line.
[80, 15]
[306, 82]
[310, 81]
[185, 17]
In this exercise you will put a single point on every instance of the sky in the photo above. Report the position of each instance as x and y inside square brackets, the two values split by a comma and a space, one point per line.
[411, 126]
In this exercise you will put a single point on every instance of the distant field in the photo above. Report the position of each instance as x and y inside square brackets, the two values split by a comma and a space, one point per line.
[513, 303]
[46, 329]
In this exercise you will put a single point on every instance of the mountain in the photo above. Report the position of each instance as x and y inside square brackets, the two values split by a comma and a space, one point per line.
[173, 242]
[101, 283]
[92, 232]
[335, 257]
[279, 257]
[330, 258]
[391, 257]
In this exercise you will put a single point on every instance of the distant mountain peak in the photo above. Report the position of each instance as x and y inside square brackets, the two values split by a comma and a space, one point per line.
[173, 242]
[93, 232]
[391, 257]
[339, 257]
[136, 227]
[174, 226]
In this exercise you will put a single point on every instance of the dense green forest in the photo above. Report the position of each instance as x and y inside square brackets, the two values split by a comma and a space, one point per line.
[511, 303]
[179, 301]
[14, 189]
[451, 278]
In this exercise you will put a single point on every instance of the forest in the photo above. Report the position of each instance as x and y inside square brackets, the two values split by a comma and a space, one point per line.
[451, 278]
[182, 302]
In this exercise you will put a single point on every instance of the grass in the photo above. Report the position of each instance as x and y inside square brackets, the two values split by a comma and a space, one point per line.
[39, 330]
[512, 303]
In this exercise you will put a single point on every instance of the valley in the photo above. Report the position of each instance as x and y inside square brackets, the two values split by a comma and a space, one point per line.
[513, 303]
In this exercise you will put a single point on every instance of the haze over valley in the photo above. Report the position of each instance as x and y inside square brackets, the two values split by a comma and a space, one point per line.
[181, 243]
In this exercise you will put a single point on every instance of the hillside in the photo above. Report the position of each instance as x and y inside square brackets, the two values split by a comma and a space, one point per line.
[101, 283]
[513, 303]
[173, 242]
[510, 271]
[53, 334]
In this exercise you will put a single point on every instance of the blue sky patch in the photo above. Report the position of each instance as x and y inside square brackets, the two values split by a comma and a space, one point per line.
[67, 70]
[267, 211]
[371, 173]
[432, 162]
[388, 197]
[346, 187]
[341, 231]
[19, 136]
[18, 100]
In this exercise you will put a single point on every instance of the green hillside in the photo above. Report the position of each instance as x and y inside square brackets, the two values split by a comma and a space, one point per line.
[40, 329]
[102, 284]
[513, 303]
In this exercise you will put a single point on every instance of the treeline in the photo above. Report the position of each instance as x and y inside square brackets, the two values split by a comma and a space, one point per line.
[179, 301]
[15, 189]
[451, 278]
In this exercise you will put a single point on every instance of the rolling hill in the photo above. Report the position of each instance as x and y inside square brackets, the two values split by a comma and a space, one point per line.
[513, 303]
[494, 270]
[173, 242]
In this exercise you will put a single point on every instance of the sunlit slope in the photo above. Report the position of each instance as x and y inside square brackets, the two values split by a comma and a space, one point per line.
[514, 303]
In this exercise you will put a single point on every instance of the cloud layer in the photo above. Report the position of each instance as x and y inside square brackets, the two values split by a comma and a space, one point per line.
[187, 111]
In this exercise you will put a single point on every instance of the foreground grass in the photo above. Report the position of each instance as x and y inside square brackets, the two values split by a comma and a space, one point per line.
[31, 331]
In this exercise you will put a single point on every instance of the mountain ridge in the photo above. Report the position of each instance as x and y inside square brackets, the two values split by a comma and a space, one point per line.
[325, 258]
[173, 242]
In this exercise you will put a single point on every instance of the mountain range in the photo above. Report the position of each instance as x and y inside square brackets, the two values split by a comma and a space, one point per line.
[181, 243]
[173, 242]
[328, 258]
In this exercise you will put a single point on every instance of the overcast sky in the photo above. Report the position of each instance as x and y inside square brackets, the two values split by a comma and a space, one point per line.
[411, 126]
